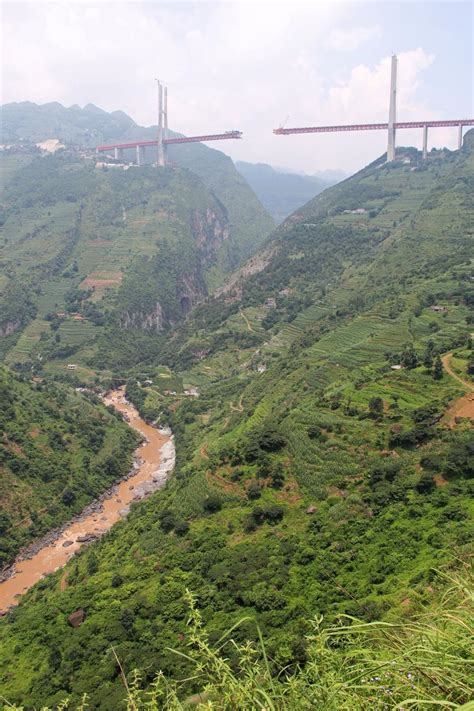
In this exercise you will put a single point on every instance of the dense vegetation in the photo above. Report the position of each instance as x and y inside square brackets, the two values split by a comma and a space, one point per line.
[58, 450]
[321, 471]
[88, 127]
[351, 665]
[85, 248]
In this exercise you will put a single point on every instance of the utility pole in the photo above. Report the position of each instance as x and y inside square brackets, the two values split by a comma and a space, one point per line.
[392, 114]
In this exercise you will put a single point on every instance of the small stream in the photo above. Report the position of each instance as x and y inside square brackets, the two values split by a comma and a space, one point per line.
[154, 461]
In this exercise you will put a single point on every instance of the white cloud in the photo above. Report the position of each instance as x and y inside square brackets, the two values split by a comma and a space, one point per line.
[227, 65]
[365, 94]
[350, 39]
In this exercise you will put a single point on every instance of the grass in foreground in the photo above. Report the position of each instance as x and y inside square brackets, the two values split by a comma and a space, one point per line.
[425, 663]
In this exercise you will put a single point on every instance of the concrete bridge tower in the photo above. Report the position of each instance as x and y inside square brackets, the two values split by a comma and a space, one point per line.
[160, 145]
[392, 114]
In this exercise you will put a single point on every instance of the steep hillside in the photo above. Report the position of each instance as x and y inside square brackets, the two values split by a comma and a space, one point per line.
[88, 127]
[58, 450]
[281, 193]
[324, 468]
[89, 255]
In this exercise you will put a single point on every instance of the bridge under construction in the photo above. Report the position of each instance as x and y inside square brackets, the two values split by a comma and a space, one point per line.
[391, 127]
[163, 139]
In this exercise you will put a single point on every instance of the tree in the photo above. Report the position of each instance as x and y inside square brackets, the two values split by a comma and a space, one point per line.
[376, 407]
[181, 528]
[92, 564]
[167, 520]
[426, 484]
[428, 355]
[409, 357]
[470, 364]
[213, 504]
[254, 492]
[437, 368]
[68, 497]
[278, 479]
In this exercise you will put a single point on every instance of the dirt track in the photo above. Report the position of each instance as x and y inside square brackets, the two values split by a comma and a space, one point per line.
[464, 406]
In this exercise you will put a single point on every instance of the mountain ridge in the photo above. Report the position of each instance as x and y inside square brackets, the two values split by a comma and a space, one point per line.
[320, 469]
[281, 192]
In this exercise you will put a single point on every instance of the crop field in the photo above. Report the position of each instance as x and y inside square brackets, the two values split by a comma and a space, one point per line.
[9, 164]
[74, 333]
[52, 297]
[357, 333]
[408, 389]
[310, 316]
[320, 377]
[28, 340]
[38, 233]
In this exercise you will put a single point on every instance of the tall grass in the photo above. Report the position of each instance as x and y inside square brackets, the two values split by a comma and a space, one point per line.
[424, 663]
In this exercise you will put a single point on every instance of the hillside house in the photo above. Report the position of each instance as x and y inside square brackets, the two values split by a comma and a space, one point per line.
[192, 392]
[439, 309]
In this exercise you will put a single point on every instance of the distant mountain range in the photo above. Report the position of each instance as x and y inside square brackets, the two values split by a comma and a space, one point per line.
[282, 191]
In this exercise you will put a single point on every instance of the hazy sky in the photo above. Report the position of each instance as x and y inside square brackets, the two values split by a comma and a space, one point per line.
[250, 66]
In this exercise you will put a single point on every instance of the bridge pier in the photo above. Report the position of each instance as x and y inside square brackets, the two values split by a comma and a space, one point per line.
[139, 155]
[116, 153]
[460, 136]
[425, 142]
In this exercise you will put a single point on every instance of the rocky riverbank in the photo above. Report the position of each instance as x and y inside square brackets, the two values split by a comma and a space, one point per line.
[153, 462]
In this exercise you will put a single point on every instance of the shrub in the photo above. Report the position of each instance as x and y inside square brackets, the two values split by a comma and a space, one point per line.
[212, 504]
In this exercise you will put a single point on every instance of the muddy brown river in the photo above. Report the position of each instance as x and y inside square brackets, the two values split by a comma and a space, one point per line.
[154, 461]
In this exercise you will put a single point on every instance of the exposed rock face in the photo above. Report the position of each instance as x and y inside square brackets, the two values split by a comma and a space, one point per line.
[76, 618]
[153, 322]
[9, 327]
[209, 230]
[235, 283]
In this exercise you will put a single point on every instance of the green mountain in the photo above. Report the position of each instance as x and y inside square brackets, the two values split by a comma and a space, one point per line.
[83, 248]
[280, 192]
[90, 126]
[324, 469]
[58, 450]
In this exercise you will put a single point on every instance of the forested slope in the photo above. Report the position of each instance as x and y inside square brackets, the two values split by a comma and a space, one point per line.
[322, 469]
[88, 253]
[91, 126]
[58, 450]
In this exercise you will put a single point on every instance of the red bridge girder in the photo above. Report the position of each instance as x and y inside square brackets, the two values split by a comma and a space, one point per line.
[373, 126]
[172, 141]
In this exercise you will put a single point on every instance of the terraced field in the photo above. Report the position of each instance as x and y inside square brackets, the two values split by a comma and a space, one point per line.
[28, 342]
